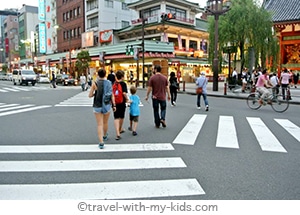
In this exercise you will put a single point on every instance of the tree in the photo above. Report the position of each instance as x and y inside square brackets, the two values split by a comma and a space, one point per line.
[248, 26]
[83, 61]
[4, 67]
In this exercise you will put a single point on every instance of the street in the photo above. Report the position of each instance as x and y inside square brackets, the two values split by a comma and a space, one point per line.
[49, 150]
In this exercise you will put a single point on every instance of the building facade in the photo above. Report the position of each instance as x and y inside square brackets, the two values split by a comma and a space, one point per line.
[286, 22]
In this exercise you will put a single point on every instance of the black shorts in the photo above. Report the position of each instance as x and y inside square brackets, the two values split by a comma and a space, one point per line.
[133, 118]
[120, 111]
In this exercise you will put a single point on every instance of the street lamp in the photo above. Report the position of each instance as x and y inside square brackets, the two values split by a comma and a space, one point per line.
[216, 8]
[69, 41]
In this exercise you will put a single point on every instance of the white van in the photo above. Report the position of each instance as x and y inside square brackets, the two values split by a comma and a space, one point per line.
[23, 76]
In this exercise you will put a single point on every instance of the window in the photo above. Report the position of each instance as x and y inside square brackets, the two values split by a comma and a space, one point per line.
[125, 24]
[93, 22]
[75, 12]
[179, 12]
[78, 11]
[109, 3]
[124, 6]
[150, 12]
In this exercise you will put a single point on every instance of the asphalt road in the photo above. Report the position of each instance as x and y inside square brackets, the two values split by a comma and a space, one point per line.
[227, 153]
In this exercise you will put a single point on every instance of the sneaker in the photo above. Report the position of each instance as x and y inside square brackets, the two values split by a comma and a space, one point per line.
[163, 123]
[206, 109]
[129, 128]
[118, 137]
[174, 103]
[101, 145]
[156, 126]
[134, 133]
[105, 138]
[198, 108]
[122, 131]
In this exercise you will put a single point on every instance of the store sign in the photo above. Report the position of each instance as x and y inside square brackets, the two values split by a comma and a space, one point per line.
[42, 37]
[42, 10]
[106, 36]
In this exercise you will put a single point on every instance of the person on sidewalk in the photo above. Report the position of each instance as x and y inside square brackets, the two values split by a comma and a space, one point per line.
[134, 111]
[284, 81]
[173, 88]
[202, 82]
[101, 89]
[158, 86]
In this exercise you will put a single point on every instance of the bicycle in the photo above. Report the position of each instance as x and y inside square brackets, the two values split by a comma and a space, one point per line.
[278, 102]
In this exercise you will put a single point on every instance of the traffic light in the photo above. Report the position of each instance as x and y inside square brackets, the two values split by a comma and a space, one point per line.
[129, 50]
[167, 16]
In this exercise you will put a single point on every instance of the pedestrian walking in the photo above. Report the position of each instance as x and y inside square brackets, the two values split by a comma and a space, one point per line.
[89, 80]
[202, 82]
[296, 78]
[173, 88]
[83, 82]
[121, 98]
[158, 86]
[53, 80]
[101, 90]
[134, 111]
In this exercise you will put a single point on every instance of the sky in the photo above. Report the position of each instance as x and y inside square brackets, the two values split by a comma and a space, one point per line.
[18, 3]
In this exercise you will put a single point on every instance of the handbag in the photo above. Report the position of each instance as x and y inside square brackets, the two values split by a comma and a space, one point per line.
[199, 90]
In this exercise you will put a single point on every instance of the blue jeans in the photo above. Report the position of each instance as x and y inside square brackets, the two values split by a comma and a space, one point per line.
[163, 106]
[204, 98]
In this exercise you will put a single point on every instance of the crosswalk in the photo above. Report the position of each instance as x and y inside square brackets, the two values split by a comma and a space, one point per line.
[16, 88]
[97, 190]
[227, 136]
[9, 109]
[80, 100]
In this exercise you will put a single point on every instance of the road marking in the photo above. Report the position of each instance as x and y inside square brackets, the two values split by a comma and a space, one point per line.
[24, 110]
[90, 165]
[85, 148]
[104, 190]
[10, 89]
[3, 91]
[226, 136]
[266, 140]
[290, 127]
[191, 130]
[80, 99]
[20, 88]
[14, 107]
[7, 105]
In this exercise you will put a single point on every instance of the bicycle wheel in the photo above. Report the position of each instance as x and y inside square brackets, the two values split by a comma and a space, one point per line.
[252, 101]
[279, 103]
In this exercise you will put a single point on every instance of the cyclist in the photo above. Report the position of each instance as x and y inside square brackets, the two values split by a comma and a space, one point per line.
[262, 84]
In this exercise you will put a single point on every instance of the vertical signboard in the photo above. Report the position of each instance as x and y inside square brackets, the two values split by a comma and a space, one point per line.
[42, 10]
[42, 37]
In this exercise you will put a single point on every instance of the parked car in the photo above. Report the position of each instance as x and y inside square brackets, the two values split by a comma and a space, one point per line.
[44, 79]
[24, 76]
[66, 80]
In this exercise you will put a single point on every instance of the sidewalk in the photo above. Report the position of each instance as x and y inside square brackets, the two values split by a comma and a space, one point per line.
[191, 87]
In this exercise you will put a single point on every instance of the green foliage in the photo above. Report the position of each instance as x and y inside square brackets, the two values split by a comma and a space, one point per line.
[4, 67]
[83, 61]
[247, 25]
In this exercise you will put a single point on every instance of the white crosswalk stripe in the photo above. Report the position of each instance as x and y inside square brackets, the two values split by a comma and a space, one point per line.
[9, 109]
[227, 134]
[104, 190]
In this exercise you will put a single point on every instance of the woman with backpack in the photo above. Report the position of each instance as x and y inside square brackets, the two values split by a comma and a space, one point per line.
[121, 98]
[101, 90]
